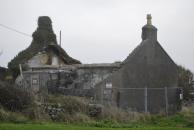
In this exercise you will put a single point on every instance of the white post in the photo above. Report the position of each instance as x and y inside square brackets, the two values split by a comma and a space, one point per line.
[21, 70]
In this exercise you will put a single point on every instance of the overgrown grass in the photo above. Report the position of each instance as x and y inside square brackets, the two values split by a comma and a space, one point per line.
[184, 119]
[71, 104]
[75, 113]
[6, 116]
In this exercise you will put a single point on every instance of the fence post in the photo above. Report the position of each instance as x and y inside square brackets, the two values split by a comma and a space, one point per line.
[102, 94]
[146, 99]
[166, 99]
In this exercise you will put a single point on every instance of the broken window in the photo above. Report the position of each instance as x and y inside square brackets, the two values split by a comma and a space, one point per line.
[34, 81]
[108, 85]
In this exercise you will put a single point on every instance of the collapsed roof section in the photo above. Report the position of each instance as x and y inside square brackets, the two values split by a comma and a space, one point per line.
[42, 37]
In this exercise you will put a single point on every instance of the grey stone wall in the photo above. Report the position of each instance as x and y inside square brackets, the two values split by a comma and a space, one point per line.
[90, 75]
[34, 81]
[77, 80]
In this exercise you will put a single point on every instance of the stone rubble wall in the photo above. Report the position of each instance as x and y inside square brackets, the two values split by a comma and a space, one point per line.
[75, 80]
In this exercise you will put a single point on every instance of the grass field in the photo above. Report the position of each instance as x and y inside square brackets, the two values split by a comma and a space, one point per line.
[8, 126]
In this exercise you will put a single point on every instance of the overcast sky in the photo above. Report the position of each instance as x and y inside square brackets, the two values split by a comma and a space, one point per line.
[100, 31]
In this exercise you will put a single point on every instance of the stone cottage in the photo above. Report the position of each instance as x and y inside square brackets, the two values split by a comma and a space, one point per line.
[145, 81]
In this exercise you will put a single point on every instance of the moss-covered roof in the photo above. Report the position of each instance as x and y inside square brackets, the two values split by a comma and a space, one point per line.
[61, 53]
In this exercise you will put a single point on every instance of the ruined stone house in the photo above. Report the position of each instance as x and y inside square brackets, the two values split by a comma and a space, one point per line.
[52, 70]
[145, 81]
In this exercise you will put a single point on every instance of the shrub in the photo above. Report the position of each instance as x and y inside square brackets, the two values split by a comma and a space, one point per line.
[70, 104]
[7, 116]
[13, 98]
[122, 116]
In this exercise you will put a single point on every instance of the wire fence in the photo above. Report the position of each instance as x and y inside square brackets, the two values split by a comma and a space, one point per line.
[154, 100]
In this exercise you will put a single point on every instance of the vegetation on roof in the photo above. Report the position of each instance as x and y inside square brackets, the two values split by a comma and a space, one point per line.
[42, 37]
